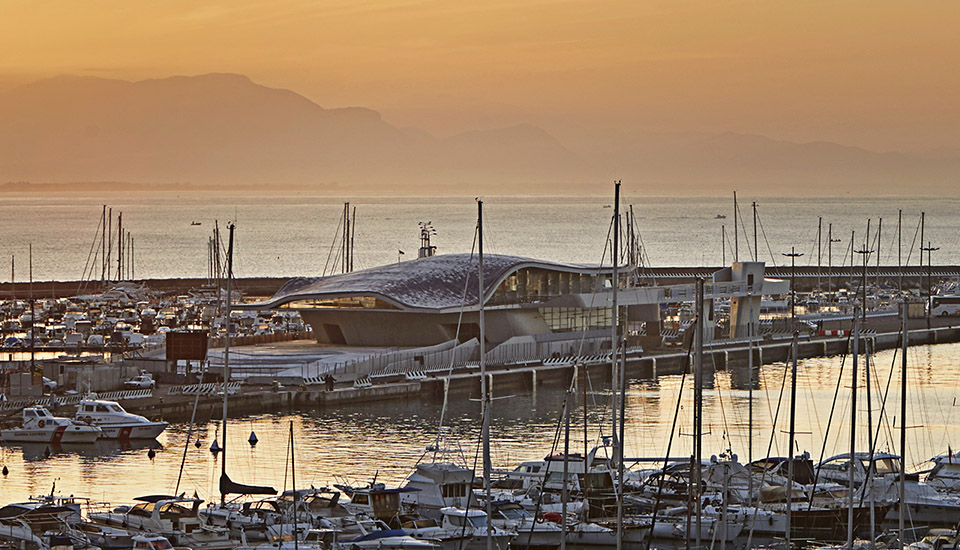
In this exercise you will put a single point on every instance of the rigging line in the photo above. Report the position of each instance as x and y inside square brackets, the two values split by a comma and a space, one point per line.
[583, 333]
[913, 244]
[883, 419]
[553, 449]
[833, 405]
[764, 233]
[816, 412]
[93, 247]
[723, 412]
[745, 236]
[333, 246]
[847, 251]
[770, 443]
[193, 417]
[473, 482]
[453, 352]
[673, 430]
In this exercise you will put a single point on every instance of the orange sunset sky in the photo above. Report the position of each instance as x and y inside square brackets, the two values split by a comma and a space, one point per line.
[880, 75]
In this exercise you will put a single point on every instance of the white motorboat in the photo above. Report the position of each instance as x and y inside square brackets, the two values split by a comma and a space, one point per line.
[115, 422]
[172, 517]
[39, 426]
[461, 529]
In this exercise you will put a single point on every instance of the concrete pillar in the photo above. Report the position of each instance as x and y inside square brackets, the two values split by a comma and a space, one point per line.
[533, 383]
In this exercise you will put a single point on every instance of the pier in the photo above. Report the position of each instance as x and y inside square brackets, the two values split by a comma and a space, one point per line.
[173, 404]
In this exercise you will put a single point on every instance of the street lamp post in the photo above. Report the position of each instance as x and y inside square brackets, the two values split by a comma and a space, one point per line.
[793, 255]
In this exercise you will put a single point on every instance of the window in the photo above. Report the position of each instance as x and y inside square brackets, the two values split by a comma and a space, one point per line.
[454, 490]
[457, 521]
[565, 319]
[360, 500]
[101, 409]
[886, 466]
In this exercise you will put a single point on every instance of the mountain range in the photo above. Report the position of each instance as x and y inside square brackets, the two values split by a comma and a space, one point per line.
[224, 129]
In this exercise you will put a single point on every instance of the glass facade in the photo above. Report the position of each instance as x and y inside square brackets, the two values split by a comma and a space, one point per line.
[565, 319]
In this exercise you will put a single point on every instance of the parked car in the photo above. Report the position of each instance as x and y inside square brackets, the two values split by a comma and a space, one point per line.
[140, 382]
[49, 385]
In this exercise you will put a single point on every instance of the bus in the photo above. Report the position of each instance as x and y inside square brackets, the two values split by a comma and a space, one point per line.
[942, 306]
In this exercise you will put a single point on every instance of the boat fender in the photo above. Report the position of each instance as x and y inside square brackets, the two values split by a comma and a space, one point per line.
[540, 519]
[42, 423]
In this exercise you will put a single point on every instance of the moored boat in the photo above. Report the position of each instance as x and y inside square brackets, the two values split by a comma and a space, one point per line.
[115, 422]
[39, 426]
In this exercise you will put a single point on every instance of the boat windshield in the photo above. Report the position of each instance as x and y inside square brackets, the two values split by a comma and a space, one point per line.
[116, 408]
[886, 466]
[479, 521]
[512, 513]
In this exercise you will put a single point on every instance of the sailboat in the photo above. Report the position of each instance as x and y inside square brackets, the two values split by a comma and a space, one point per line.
[228, 486]
[443, 492]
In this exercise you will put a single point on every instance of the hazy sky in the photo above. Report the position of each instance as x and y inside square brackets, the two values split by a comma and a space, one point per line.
[880, 74]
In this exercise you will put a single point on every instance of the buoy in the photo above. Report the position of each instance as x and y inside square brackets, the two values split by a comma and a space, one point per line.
[151, 453]
[215, 447]
[253, 439]
[5, 471]
[197, 444]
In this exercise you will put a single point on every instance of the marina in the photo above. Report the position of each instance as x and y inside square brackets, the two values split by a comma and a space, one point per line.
[526, 275]
[153, 365]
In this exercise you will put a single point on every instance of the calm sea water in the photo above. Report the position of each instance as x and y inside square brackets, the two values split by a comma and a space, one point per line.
[386, 440]
[290, 236]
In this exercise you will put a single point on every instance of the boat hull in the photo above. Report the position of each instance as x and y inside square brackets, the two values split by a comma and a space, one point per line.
[148, 430]
[61, 434]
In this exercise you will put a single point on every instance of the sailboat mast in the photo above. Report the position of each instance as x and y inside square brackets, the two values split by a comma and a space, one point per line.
[103, 245]
[736, 236]
[695, 469]
[853, 424]
[226, 355]
[293, 483]
[900, 249]
[819, 252]
[484, 389]
[750, 330]
[615, 379]
[756, 253]
[120, 246]
[793, 431]
[905, 341]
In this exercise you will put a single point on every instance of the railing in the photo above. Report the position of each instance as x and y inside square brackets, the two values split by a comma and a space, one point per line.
[204, 389]
[74, 399]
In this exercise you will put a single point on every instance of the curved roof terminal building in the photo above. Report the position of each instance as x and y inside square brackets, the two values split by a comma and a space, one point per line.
[435, 299]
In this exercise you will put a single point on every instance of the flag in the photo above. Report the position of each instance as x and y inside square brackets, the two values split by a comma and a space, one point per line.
[399, 251]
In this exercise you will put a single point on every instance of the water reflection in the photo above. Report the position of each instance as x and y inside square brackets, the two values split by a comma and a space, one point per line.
[387, 439]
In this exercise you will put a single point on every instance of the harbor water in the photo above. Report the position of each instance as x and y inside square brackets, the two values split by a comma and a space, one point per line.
[292, 236]
[384, 441]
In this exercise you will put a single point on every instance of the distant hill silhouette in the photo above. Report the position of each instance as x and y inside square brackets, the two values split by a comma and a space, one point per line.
[224, 129]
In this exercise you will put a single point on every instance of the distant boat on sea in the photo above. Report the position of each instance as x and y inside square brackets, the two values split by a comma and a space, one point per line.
[720, 217]
[196, 223]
